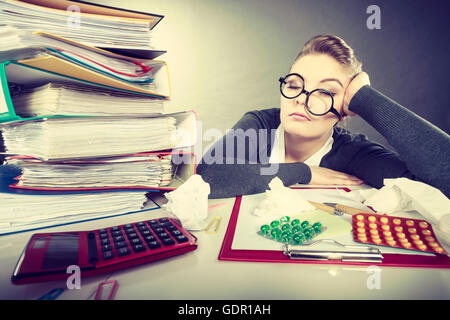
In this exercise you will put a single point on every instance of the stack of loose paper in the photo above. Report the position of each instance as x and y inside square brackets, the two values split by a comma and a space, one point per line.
[140, 170]
[88, 137]
[71, 99]
[73, 21]
[28, 212]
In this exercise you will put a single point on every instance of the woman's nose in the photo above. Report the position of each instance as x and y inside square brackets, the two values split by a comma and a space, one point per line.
[301, 99]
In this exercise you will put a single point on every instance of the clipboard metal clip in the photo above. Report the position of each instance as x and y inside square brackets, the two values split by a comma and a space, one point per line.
[350, 253]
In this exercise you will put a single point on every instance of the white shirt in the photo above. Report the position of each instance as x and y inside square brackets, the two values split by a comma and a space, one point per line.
[279, 149]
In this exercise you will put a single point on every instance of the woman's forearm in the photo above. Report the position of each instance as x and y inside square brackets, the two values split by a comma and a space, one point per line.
[422, 146]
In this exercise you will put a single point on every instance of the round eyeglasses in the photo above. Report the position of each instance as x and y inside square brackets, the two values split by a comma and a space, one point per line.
[318, 101]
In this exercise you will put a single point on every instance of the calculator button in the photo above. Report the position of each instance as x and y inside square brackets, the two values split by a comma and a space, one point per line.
[103, 236]
[135, 241]
[120, 244]
[158, 230]
[123, 251]
[105, 241]
[118, 238]
[163, 235]
[108, 255]
[155, 226]
[162, 220]
[102, 231]
[171, 228]
[138, 248]
[152, 221]
[106, 247]
[117, 233]
[128, 226]
[130, 230]
[132, 235]
[176, 233]
[149, 238]
[146, 233]
[117, 228]
[141, 223]
[168, 241]
[143, 228]
[166, 224]
[181, 238]
[153, 244]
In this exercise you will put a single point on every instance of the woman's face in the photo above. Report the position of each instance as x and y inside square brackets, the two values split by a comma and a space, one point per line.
[319, 71]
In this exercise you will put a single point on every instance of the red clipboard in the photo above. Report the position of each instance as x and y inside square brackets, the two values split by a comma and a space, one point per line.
[389, 259]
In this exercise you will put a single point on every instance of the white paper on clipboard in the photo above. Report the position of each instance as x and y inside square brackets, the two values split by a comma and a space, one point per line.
[246, 235]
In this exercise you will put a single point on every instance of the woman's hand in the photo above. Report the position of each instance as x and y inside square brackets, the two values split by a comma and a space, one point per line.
[324, 176]
[359, 81]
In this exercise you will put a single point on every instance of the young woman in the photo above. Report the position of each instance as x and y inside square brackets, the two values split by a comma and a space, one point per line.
[302, 142]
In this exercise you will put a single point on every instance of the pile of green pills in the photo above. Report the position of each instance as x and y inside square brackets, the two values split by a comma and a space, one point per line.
[291, 232]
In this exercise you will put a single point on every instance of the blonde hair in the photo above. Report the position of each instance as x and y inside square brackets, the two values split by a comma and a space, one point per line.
[335, 47]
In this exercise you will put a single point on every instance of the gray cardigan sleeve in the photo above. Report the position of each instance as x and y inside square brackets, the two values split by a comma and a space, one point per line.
[237, 164]
[423, 148]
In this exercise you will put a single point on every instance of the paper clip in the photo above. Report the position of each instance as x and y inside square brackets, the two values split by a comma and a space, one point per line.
[112, 292]
[52, 295]
[214, 222]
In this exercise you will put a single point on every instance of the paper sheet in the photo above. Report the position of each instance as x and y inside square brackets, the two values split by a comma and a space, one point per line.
[246, 235]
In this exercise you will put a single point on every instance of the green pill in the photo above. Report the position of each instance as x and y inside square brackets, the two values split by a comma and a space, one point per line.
[317, 227]
[285, 226]
[284, 239]
[275, 232]
[297, 239]
[286, 233]
[265, 229]
[307, 232]
[305, 224]
[285, 219]
[275, 224]
[296, 229]
[295, 222]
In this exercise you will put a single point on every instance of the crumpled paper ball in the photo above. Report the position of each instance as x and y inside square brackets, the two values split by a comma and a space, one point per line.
[189, 202]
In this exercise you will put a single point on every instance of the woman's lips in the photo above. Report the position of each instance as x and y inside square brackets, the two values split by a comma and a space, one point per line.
[299, 116]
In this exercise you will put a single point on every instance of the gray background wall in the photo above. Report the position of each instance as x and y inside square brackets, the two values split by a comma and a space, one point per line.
[225, 56]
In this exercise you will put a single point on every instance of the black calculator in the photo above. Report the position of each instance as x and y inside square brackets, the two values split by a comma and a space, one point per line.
[47, 256]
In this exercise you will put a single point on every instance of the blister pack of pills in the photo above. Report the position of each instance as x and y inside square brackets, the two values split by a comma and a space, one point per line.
[291, 231]
[398, 232]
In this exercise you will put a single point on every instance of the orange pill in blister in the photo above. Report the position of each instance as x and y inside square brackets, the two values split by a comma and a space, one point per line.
[361, 230]
[376, 240]
[433, 244]
[438, 250]
[426, 232]
[387, 233]
[372, 225]
[415, 236]
[388, 238]
[391, 243]
[384, 220]
[406, 245]
[423, 224]
[428, 238]
[373, 231]
[398, 229]
[409, 223]
[360, 224]
[372, 218]
[412, 230]
[360, 217]
[401, 235]
[422, 247]
[418, 242]
[403, 240]
[397, 221]
[385, 227]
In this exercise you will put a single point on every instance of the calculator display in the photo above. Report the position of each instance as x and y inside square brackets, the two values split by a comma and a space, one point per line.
[62, 251]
